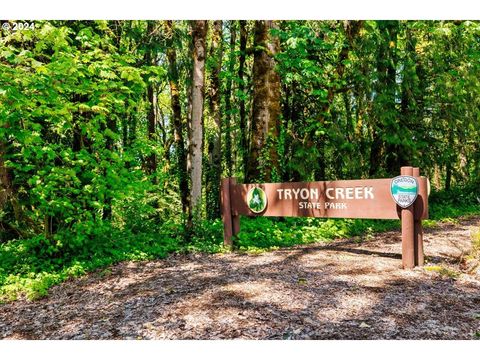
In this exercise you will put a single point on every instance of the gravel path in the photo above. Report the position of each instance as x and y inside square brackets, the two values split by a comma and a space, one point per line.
[344, 290]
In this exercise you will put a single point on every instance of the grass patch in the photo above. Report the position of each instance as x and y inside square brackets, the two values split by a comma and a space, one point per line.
[262, 234]
[475, 252]
[443, 271]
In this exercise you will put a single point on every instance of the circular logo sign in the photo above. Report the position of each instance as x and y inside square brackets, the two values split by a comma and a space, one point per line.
[404, 190]
[256, 199]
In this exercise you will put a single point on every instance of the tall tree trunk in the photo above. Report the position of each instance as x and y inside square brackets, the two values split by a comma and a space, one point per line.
[388, 84]
[6, 189]
[5, 179]
[448, 176]
[290, 118]
[384, 107]
[436, 177]
[228, 105]
[241, 90]
[451, 158]
[214, 164]
[376, 153]
[152, 122]
[80, 141]
[125, 121]
[181, 154]
[8, 199]
[410, 119]
[112, 126]
[266, 105]
[152, 99]
[351, 30]
[287, 117]
[199, 33]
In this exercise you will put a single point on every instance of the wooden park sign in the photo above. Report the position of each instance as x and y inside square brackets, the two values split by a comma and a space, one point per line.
[404, 197]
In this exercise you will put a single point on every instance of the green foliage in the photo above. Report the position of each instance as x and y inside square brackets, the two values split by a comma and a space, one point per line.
[458, 201]
[207, 237]
[31, 266]
[358, 100]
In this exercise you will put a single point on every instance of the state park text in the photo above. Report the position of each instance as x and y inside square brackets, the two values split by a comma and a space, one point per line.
[332, 194]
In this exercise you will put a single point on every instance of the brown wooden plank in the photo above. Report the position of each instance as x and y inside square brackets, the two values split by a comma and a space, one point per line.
[377, 202]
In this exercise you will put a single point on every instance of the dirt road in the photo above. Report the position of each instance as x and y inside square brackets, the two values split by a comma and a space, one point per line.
[344, 290]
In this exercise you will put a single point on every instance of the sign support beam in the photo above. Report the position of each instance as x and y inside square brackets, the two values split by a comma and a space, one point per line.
[226, 212]
[408, 229]
[235, 215]
[419, 204]
[231, 221]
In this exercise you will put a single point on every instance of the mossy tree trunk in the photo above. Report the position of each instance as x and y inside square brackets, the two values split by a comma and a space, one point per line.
[214, 142]
[241, 91]
[263, 161]
[228, 103]
[199, 33]
[180, 151]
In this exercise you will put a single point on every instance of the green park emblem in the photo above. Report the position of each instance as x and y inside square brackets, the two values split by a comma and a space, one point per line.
[404, 190]
[256, 200]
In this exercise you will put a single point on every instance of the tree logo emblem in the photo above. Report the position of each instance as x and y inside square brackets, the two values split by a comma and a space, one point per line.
[256, 199]
[404, 190]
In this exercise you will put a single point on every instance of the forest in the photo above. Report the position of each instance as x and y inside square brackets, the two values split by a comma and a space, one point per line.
[115, 135]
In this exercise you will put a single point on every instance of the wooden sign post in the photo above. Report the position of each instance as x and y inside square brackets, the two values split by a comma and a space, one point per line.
[404, 197]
